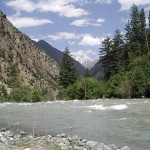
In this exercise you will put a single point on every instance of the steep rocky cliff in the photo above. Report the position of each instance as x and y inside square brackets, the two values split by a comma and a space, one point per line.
[22, 63]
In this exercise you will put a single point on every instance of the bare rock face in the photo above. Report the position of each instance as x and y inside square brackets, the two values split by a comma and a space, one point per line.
[23, 62]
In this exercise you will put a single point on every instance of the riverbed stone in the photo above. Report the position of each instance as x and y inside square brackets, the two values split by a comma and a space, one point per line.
[63, 135]
[80, 143]
[77, 148]
[27, 149]
[69, 138]
[4, 140]
[49, 136]
[75, 137]
[65, 142]
[7, 133]
[113, 146]
[84, 140]
[91, 143]
[22, 133]
[102, 146]
[125, 148]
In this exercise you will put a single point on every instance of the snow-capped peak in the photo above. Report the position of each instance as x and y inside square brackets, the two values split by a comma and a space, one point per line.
[84, 60]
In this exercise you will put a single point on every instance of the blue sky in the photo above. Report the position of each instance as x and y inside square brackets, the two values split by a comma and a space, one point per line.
[79, 24]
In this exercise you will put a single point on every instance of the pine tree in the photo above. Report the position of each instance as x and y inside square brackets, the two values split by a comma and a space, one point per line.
[147, 35]
[68, 74]
[106, 47]
[113, 55]
[128, 31]
[105, 57]
[135, 24]
[135, 35]
[149, 19]
[143, 32]
[117, 51]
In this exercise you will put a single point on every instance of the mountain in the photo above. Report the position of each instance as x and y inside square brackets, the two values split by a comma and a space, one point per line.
[83, 60]
[91, 64]
[57, 55]
[22, 62]
[86, 61]
[97, 71]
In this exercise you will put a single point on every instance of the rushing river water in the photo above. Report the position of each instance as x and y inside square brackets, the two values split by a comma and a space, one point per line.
[122, 122]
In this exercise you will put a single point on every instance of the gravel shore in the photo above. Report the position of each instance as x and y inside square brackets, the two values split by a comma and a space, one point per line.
[19, 140]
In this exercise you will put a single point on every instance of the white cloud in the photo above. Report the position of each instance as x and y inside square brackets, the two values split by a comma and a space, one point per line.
[64, 8]
[83, 53]
[64, 35]
[22, 22]
[79, 23]
[100, 20]
[87, 22]
[104, 1]
[85, 39]
[35, 39]
[126, 4]
[21, 5]
[71, 42]
[89, 40]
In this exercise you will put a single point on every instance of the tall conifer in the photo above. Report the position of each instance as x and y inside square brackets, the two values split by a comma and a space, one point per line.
[68, 74]
[105, 57]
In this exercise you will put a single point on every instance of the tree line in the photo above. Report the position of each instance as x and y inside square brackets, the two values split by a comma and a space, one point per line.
[126, 63]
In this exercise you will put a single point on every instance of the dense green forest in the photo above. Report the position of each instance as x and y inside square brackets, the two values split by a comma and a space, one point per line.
[126, 62]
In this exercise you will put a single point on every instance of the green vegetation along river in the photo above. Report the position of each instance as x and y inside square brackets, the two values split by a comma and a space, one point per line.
[122, 122]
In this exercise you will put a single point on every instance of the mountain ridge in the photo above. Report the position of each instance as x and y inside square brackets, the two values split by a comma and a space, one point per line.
[57, 55]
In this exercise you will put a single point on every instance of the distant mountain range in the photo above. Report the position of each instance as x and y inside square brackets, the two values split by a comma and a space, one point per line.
[95, 67]
[57, 55]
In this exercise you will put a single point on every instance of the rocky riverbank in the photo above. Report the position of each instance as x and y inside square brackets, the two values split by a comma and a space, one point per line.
[19, 140]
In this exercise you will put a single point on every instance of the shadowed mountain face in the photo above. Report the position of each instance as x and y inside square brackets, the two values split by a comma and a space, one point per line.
[97, 71]
[57, 55]
[22, 62]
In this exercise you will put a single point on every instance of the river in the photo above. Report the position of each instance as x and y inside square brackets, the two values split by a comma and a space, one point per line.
[122, 122]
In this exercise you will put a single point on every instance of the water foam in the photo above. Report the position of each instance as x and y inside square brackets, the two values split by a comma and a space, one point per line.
[50, 102]
[114, 107]
[119, 107]
[60, 101]
[25, 104]
[134, 103]
[4, 104]
[76, 101]
[98, 107]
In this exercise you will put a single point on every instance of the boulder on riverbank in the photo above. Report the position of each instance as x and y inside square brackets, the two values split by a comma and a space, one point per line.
[10, 140]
